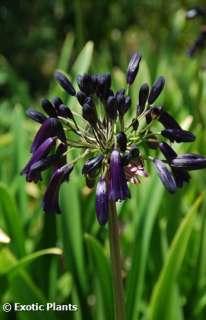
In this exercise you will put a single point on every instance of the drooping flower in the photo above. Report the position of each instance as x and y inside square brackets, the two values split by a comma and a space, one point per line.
[40, 153]
[51, 127]
[165, 175]
[102, 201]
[118, 189]
[50, 202]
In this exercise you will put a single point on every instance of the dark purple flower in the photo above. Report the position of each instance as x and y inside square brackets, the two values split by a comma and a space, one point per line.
[164, 118]
[165, 176]
[111, 107]
[56, 102]
[85, 84]
[40, 153]
[81, 97]
[143, 96]
[103, 83]
[50, 128]
[65, 83]
[50, 202]
[189, 161]
[35, 115]
[180, 175]
[92, 164]
[122, 141]
[178, 135]
[133, 67]
[156, 90]
[48, 108]
[65, 112]
[102, 202]
[200, 43]
[89, 113]
[118, 189]
[167, 151]
[41, 165]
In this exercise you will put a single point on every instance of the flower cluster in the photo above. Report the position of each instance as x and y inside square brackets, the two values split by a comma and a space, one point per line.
[200, 42]
[112, 141]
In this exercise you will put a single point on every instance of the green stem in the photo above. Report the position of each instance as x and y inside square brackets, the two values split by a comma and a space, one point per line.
[116, 262]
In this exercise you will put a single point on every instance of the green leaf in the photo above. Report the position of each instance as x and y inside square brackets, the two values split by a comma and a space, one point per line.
[12, 220]
[19, 159]
[162, 293]
[21, 263]
[63, 63]
[147, 214]
[103, 272]
[72, 232]
[83, 61]
[23, 290]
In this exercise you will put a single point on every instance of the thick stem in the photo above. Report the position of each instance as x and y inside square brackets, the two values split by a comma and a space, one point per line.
[116, 262]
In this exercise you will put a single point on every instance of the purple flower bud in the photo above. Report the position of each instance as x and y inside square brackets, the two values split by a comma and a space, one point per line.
[118, 189]
[111, 107]
[50, 128]
[48, 108]
[35, 115]
[102, 202]
[56, 102]
[122, 141]
[133, 67]
[40, 153]
[165, 176]
[89, 113]
[178, 135]
[81, 97]
[143, 96]
[199, 43]
[164, 118]
[156, 90]
[85, 83]
[50, 202]
[180, 175]
[134, 152]
[103, 83]
[64, 83]
[41, 165]
[167, 151]
[65, 112]
[189, 161]
[92, 164]
[124, 105]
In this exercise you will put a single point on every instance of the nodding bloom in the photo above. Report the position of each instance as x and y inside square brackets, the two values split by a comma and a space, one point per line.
[110, 143]
[200, 42]
[118, 188]
[50, 202]
[102, 201]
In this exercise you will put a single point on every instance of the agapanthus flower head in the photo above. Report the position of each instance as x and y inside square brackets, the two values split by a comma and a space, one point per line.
[111, 143]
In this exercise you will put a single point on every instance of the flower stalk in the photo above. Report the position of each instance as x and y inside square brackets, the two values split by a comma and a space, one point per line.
[116, 262]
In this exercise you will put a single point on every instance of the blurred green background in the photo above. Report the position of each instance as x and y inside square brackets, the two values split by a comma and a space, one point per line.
[163, 237]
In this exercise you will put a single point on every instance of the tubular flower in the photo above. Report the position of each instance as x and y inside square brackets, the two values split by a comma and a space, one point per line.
[110, 143]
[102, 201]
